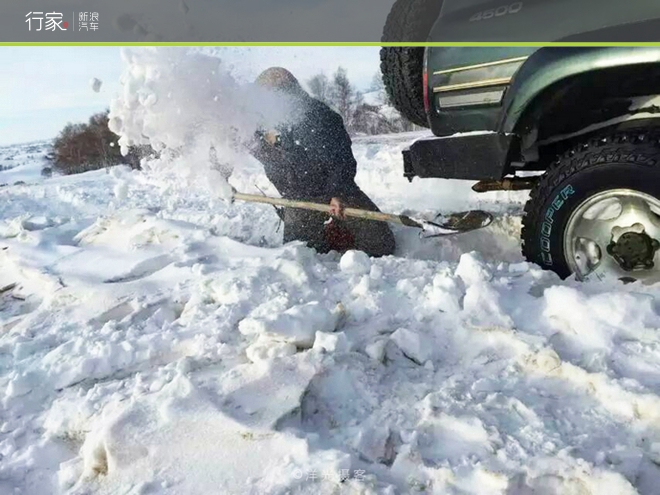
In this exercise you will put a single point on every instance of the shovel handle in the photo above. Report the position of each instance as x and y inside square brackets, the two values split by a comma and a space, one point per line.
[323, 208]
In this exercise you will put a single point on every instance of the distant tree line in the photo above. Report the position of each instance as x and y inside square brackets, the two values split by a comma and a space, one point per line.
[374, 117]
[90, 146]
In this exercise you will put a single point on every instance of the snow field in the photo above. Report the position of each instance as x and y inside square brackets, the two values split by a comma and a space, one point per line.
[165, 342]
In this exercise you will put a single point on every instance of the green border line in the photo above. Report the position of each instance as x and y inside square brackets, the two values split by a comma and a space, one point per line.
[263, 43]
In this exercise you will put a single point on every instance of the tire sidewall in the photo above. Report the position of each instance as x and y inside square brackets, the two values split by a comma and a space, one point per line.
[571, 193]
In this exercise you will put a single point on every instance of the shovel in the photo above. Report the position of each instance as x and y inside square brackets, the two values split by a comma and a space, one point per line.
[442, 225]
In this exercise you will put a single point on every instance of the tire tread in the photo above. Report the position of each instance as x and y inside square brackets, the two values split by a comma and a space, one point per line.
[402, 67]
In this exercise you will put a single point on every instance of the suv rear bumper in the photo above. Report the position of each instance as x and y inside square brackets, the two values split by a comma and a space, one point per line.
[475, 156]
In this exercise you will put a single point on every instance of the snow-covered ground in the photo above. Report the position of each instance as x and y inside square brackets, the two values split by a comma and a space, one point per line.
[23, 163]
[157, 339]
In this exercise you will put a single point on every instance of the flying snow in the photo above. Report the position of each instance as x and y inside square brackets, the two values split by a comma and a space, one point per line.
[95, 84]
[189, 109]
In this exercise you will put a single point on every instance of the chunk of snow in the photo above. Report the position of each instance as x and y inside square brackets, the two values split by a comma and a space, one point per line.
[355, 263]
[376, 272]
[95, 84]
[484, 306]
[472, 269]
[446, 293]
[123, 446]
[265, 349]
[371, 442]
[413, 345]
[376, 350]
[20, 385]
[120, 190]
[297, 325]
[331, 342]
[519, 267]
[449, 437]
[363, 287]
[37, 223]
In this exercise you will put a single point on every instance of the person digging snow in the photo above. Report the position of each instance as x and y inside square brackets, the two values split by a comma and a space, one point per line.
[311, 159]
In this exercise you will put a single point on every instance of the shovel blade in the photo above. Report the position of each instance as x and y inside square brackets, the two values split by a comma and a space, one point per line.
[457, 223]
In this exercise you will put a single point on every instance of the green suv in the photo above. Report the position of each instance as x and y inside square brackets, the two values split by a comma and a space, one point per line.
[579, 127]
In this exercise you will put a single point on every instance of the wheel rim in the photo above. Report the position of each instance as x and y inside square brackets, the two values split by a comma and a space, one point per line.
[615, 234]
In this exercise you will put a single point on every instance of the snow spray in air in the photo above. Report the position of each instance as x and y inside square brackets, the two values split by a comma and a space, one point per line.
[188, 107]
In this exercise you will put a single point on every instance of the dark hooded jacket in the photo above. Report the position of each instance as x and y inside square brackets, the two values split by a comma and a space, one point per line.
[313, 158]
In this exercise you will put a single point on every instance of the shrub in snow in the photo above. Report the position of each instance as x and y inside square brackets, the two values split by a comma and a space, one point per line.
[82, 147]
[372, 119]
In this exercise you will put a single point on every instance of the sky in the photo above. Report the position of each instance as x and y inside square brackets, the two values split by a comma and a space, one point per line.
[44, 88]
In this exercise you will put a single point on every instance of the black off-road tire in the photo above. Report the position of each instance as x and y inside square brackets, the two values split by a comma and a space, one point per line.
[402, 67]
[620, 160]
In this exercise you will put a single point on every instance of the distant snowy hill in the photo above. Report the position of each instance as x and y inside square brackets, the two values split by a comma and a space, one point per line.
[23, 162]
